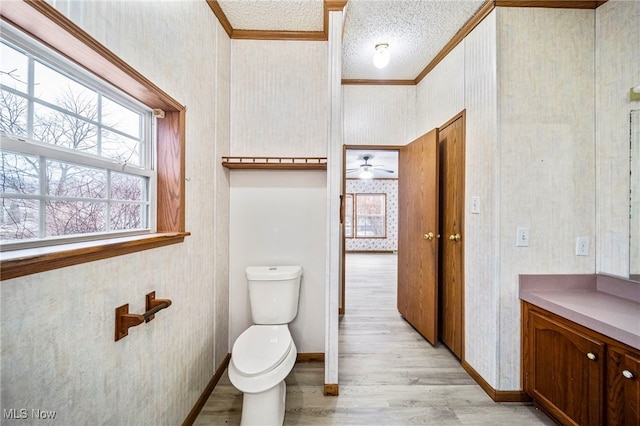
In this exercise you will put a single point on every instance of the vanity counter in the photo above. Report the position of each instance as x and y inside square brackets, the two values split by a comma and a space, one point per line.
[605, 304]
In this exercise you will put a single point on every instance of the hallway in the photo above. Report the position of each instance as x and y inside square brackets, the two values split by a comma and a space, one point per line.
[389, 375]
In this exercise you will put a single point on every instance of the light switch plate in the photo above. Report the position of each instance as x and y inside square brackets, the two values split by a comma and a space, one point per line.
[475, 205]
[522, 237]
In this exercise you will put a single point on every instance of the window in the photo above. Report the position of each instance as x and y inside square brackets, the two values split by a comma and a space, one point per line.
[368, 213]
[77, 154]
[43, 22]
[348, 216]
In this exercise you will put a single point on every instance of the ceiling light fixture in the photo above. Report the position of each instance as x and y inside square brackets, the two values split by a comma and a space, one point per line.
[381, 56]
[365, 174]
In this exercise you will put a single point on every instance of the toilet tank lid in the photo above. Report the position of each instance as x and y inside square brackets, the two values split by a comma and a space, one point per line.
[273, 273]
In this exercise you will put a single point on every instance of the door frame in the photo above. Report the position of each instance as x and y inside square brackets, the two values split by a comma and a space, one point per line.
[343, 192]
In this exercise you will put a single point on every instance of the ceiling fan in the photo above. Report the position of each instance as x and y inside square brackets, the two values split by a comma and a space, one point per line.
[366, 170]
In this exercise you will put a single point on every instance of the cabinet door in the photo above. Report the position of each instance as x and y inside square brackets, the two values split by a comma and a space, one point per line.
[623, 387]
[567, 371]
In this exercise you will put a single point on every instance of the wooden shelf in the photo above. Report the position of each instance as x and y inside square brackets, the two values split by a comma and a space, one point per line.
[275, 163]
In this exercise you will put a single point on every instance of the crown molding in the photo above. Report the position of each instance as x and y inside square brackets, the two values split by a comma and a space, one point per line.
[329, 5]
[556, 4]
[362, 82]
[333, 5]
[473, 22]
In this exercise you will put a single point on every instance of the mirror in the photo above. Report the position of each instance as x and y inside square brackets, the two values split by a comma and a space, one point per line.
[634, 197]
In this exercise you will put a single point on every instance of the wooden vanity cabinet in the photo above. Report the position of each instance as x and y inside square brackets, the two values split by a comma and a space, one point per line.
[623, 387]
[577, 375]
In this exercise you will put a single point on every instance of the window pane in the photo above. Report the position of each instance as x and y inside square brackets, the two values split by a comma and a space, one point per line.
[59, 90]
[68, 180]
[19, 174]
[75, 217]
[371, 226]
[15, 68]
[52, 183]
[371, 215]
[19, 219]
[60, 129]
[13, 114]
[120, 148]
[127, 187]
[121, 118]
[127, 216]
[369, 204]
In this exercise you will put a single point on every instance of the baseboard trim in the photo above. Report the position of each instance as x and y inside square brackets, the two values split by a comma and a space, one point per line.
[496, 395]
[193, 414]
[331, 389]
[310, 357]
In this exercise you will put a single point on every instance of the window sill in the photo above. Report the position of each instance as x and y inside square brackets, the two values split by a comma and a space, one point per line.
[19, 263]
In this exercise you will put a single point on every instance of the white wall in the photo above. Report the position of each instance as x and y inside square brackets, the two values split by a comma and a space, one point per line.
[378, 115]
[546, 109]
[58, 349]
[440, 94]
[482, 176]
[278, 218]
[279, 99]
[617, 70]
[279, 107]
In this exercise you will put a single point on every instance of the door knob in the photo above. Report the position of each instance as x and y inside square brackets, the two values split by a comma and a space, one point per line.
[429, 236]
[627, 374]
[455, 237]
[591, 356]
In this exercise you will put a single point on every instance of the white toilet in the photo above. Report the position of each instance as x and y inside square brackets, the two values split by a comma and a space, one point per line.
[264, 354]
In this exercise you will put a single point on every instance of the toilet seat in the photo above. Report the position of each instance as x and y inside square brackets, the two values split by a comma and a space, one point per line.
[253, 368]
[260, 348]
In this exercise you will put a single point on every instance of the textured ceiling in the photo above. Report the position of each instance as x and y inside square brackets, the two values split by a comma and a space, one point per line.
[271, 15]
[416, 30]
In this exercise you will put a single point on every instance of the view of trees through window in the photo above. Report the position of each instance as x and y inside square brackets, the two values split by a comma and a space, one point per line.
[368, 212]
[74, 159]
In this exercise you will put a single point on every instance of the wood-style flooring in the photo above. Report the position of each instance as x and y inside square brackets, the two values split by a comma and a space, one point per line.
[388, 374]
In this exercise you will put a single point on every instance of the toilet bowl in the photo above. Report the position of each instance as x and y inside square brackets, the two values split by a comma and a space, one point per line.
[262, 357]
[265, 353]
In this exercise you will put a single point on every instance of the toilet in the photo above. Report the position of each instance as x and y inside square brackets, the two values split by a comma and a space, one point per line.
[264, 354]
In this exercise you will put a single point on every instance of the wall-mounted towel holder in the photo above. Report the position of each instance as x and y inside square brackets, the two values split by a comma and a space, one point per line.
[124, 319]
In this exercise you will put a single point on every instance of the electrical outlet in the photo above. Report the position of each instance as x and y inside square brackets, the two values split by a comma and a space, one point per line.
[475, 205]
[582, 246]
[522, 237]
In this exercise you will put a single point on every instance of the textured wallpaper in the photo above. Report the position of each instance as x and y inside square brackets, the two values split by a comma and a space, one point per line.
[279, 98]
[58, 349]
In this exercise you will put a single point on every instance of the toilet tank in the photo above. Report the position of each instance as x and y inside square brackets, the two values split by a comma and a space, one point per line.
[273, 293]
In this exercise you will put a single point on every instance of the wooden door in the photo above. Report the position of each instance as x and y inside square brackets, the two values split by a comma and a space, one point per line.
[451, 268]
[417, 228]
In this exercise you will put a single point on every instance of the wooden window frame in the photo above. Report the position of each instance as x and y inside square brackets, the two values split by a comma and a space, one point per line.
[352, 216]
[44, 23]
